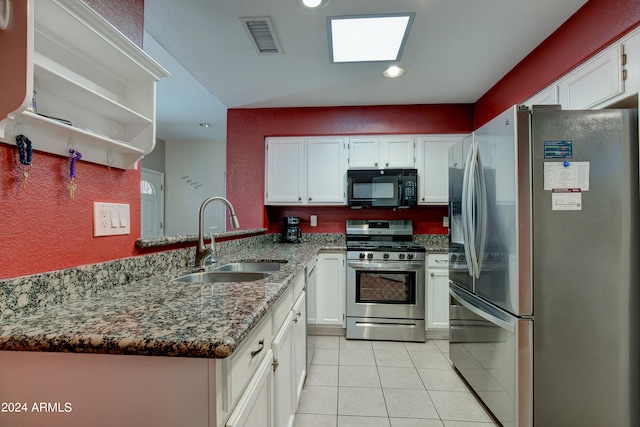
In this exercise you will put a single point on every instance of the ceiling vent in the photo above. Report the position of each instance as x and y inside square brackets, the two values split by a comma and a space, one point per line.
[262, 34]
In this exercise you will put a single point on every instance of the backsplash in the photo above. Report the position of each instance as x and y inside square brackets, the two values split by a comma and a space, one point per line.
[31, 293]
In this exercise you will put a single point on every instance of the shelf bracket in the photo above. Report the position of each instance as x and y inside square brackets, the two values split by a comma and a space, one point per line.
[5, 17]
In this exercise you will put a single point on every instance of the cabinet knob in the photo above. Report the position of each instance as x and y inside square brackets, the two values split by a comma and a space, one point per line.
[431, 274]
[376, 164]
[386, 164]
[299, 199]
[309, 198]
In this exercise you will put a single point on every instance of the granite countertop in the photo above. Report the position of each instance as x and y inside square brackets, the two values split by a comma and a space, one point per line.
[157, 317]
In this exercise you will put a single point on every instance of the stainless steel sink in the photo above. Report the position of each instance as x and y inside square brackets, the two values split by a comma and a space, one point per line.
[249, 266]
[222, 276]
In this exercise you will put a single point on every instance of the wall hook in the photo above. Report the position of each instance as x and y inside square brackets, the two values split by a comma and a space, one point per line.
[18, 129]
[111, 159]
[5, 17]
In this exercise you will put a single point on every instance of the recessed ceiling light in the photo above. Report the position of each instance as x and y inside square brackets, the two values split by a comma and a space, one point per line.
[314, 4]
[368, 38]
[393, 71]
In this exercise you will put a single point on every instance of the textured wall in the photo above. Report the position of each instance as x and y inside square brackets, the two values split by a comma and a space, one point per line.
[247, 128]
[41, 228]
[126, 15]
[596, 25]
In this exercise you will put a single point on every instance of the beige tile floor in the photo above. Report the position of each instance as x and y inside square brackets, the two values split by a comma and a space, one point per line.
[385, 384]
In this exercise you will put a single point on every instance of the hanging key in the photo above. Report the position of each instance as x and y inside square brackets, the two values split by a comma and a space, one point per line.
[72, 189]
[25, 176]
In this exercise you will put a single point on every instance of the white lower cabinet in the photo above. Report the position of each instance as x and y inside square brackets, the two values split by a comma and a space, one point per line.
[255, 408]
[259, 385]
[283, 373]
[299, 347]
[437, 294]
[330, 289]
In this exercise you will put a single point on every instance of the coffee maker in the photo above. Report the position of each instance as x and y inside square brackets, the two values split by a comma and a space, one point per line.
[291, 229]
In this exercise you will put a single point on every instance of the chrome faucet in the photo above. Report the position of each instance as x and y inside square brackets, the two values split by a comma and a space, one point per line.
[206, 254]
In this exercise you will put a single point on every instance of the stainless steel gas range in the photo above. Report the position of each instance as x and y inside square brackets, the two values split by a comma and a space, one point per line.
[385, 281]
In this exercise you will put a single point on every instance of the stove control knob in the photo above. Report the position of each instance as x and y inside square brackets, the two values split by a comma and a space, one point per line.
[401, 256]
[361, 256]
[385, 256]
[370, 255]
[409, 256]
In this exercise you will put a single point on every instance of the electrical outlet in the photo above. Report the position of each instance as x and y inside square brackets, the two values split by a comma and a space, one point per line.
[111, 219]
[313, 220]
[445, 221]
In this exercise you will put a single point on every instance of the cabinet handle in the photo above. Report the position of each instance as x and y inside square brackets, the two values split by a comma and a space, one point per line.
[254, 352]
[442, 261]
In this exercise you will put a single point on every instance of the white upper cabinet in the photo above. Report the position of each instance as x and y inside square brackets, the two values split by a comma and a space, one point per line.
[603, 80]
[433, 170]
[302, 170]
[547, 96]
[379, 152]
[285, 177]
[326, 170]
[94, 88]
[595, 82]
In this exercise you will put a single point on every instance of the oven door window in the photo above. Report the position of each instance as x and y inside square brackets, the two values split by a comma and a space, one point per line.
[385, 287]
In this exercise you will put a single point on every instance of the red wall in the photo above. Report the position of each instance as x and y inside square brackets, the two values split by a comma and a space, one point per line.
[596, 25]
[41, 229]
[247, 128]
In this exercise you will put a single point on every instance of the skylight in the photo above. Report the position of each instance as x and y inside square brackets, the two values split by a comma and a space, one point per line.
[368, 38]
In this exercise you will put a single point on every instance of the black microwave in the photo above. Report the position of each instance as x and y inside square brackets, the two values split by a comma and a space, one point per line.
[397, 188]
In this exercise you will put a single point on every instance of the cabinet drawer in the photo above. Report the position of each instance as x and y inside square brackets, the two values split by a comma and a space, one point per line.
[244, 363]
[437, 261]
[298, 286]
[281, 309]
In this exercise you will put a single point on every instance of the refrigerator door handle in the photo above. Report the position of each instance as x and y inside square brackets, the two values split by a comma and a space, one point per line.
[486, 311]
[481, 214]
[466, 226]
[472, 202]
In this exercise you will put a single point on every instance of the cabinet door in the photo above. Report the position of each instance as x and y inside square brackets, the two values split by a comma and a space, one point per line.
[598, 80]
[397, 152]
[363, 152]
[326, 169]
[283, 376]
[330, 289]
[437, 292]
[255, 407]
[433, 172]
[547, 96]
[285, 177]
[299, 347]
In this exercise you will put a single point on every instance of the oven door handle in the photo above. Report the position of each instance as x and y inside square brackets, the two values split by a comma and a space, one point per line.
[386, 266]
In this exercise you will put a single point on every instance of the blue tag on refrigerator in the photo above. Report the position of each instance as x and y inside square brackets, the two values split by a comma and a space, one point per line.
[558, 149]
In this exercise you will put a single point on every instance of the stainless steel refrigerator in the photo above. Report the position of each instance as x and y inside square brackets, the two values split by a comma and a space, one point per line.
[544, 266]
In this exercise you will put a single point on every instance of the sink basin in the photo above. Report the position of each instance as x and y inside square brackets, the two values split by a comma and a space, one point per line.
[249, 266]
[222, 276]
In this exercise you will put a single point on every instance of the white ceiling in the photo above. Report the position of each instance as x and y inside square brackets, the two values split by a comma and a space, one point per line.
[456, 51]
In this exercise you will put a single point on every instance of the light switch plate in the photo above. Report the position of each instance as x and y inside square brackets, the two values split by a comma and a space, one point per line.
[111, 219]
